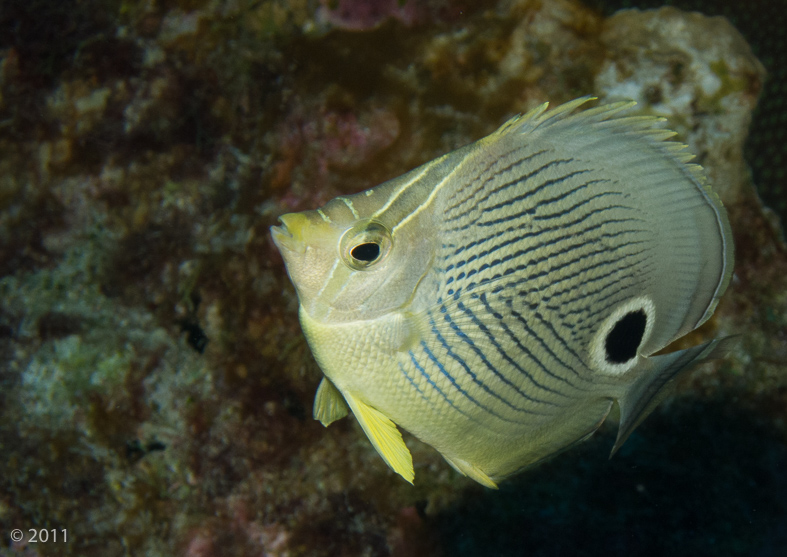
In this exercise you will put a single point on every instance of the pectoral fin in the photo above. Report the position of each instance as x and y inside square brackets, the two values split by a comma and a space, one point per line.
[329, 404]
[385, 437]
[655, 382]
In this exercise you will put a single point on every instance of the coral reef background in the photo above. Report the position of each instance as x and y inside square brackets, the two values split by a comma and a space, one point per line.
[761, 22]
[155, 389]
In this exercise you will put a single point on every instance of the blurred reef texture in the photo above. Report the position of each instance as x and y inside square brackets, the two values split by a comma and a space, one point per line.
[155, 389]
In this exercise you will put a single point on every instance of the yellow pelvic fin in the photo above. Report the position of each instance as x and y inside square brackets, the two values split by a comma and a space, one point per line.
[329, 404]
[471, 471]
[385, 437]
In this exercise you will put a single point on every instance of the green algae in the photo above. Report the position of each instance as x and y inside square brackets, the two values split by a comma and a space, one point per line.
[730, 84]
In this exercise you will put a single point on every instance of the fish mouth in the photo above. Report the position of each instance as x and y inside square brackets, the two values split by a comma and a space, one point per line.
[287, 236]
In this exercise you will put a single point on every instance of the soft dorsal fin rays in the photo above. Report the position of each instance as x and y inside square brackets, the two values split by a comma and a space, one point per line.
[385, 437]
[605, 115]
[656, 380]
[329, 404]
[541, 117]
[524, 123]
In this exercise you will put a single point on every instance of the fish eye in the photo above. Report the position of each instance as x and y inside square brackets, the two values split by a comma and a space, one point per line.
[368, 251]
[365, 245]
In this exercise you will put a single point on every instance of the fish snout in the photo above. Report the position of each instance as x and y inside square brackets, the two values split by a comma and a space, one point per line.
[288, 237]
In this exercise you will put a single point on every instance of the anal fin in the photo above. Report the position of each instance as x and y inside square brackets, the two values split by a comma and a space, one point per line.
[329, 404]
[471, 471]
[656, 379]
[385, 437]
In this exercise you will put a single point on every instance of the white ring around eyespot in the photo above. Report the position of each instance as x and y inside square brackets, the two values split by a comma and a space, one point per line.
[598, 352]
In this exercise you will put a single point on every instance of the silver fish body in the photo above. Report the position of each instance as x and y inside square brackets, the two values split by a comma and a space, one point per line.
[497, 301]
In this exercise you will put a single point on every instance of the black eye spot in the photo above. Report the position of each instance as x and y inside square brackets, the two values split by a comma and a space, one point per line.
[623, 340]
[366, 252]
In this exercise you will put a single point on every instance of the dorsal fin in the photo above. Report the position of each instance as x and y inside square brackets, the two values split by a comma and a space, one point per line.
[562, 182]
[605, 115]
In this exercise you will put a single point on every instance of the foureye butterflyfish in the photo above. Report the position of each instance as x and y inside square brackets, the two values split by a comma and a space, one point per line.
[497, 301]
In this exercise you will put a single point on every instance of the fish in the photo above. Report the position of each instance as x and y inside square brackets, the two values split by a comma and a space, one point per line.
[500, 300]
